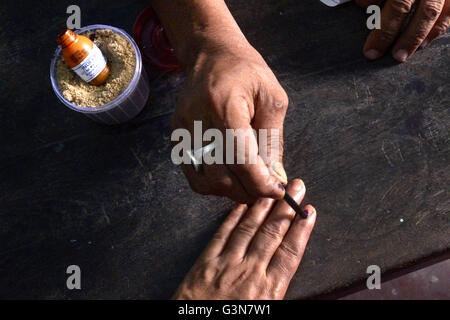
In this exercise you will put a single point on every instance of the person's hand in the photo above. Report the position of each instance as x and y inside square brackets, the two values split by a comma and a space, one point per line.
[231, 87]
[254, 254]
[430, 20]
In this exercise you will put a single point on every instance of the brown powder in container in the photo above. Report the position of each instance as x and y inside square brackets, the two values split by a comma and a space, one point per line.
[122, 59]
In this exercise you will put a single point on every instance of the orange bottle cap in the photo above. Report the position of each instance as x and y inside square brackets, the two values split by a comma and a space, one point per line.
[65, 38]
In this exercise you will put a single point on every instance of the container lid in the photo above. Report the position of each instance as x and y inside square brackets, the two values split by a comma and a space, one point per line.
[152, 41]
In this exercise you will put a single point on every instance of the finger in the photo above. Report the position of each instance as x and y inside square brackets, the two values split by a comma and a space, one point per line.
[268, 123]
[441, 25]
[220, 238]
[223, 182]
[272, 231]
[393, 15]
[197, 182]
[247, 165]
[365, 3]
[247, 227]
[287, 257]
[214, 179]
[417, 30]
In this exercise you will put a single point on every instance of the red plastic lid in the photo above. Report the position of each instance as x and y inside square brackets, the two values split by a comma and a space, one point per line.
[152, 41]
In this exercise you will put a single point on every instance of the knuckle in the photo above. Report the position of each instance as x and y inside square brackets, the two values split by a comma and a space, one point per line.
[289, 250]
[265, 188]
[413, 41]
[247, 228]
[283, 267]
[432, 9]
[445, 20]
[387, 35]
[280, 283]
[281, 100]
[208, 272]
[445, 23]
[401, 6]
[219, 236]
[272, 231]
[416, 41]
[223, 279]
[243, 275]
[441, 28]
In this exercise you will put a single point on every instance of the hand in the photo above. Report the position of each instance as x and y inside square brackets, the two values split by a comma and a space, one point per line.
[231, 87]
[430, 20]
[254, 254]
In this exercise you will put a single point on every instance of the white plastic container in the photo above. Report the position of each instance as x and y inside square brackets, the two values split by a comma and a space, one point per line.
[124, 107]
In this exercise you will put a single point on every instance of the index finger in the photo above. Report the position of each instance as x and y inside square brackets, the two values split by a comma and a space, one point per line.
[247, 164]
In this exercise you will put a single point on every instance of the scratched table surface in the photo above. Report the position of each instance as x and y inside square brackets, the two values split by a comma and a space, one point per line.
[370, 140]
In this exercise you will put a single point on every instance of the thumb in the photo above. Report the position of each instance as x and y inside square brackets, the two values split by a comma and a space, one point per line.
[277, 170]
[268, 123]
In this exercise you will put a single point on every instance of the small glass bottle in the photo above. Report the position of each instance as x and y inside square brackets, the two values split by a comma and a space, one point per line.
[84, 57]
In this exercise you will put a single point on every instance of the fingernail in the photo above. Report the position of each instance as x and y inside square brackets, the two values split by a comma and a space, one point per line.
[401, 55]
[278, 169]
[372, 54]
[306, 212]
[299, 185]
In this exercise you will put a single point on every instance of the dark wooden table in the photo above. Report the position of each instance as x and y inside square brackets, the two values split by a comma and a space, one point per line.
[370, 140]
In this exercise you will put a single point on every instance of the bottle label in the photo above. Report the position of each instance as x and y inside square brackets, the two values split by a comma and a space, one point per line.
[91, 66]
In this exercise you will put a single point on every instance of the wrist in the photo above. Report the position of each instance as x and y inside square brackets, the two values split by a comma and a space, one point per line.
[204, 45]
[198, 27]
